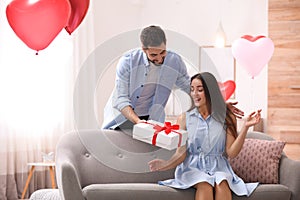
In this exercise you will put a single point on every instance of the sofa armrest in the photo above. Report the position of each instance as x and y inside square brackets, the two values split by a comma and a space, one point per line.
[68, 180]
[70, 188]
[289, 175]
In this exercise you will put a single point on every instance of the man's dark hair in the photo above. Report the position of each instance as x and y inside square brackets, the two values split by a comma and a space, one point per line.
[152, 36]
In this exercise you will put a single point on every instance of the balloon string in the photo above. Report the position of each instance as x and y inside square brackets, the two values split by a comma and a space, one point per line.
[252, 93]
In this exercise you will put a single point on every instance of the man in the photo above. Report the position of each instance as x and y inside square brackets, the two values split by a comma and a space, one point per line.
[144, 81]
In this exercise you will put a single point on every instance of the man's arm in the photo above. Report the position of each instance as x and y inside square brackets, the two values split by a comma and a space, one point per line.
[122, 83]
[129, 113]
[183, 82]
[237, 112]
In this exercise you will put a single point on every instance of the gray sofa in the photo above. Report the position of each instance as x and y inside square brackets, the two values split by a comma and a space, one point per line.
[110, 165]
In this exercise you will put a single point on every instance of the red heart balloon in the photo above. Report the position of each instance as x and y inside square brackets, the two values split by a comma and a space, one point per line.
[78, 11]
[252, 38]
[38, 22]
[227, 89]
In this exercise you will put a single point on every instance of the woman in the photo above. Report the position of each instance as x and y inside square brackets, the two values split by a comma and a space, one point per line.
[213, 138]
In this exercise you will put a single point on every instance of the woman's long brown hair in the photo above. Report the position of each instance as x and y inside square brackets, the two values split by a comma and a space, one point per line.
[215, 102]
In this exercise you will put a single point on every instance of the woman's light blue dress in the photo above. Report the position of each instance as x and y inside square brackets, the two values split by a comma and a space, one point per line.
[205, 161]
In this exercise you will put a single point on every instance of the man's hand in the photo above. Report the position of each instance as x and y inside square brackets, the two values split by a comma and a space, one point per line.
[141, 121]
[237, 112]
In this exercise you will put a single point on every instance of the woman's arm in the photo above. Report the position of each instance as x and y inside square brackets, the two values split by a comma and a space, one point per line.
[176, 159]
[234, 145]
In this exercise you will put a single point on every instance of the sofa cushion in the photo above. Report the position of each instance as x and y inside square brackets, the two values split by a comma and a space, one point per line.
[45, 194]
[150, 191]
[258, 161]
[267, 191]
[130, 191]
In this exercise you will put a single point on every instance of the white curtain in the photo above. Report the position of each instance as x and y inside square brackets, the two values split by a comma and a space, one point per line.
[36, 101]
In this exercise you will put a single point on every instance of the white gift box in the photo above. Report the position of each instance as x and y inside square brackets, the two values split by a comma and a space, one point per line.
[147, 133]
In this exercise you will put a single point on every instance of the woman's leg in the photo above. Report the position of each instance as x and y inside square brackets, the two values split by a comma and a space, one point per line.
[204, 191]
[222, 191]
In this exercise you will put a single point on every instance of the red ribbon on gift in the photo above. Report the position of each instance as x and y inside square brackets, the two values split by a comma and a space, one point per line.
[167, 128]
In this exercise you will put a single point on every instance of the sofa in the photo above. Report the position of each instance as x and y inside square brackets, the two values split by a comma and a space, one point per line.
[110, 165]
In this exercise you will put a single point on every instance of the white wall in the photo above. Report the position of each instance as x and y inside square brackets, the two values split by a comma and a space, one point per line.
[195, 19]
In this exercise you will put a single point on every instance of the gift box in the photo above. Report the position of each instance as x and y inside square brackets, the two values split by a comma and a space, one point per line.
[165, 135]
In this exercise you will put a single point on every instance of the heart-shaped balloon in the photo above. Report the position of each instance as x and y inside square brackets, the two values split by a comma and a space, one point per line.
[252, 38]
[38, 22]
[78, 11]
[227, 89]
[254, 55]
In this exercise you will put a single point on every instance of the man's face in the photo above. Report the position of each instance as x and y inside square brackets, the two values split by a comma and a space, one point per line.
[157, 54]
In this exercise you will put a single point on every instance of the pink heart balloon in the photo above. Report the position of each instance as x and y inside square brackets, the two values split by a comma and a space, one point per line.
[254, 55]
[252, 38]
[38, 22]
[227, 89]
[78, 11]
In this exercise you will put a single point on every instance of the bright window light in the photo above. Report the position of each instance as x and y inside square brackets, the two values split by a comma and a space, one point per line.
[33, 87]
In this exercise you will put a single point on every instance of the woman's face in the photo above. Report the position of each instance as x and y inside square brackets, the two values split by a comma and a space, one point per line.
[197, 93]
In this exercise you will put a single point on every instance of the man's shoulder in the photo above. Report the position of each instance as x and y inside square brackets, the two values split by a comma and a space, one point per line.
[175, 60]
[136, 55]
[134, 52]
[173, 55]
[132, 58]
[172, 52]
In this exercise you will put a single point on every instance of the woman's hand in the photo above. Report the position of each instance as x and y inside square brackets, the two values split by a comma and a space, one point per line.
[253, 118]
[157, 165]
[237, 112]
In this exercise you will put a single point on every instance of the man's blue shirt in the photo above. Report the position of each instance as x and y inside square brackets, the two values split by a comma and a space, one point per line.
[131, 76]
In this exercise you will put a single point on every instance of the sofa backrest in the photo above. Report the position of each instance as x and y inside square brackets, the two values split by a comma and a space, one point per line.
[259, 135]
[108, 156]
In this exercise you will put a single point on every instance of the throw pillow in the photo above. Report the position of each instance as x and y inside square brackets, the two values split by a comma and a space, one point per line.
[258, 161]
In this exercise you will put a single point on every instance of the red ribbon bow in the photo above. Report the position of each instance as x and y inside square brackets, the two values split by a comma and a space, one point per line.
[168, 128]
